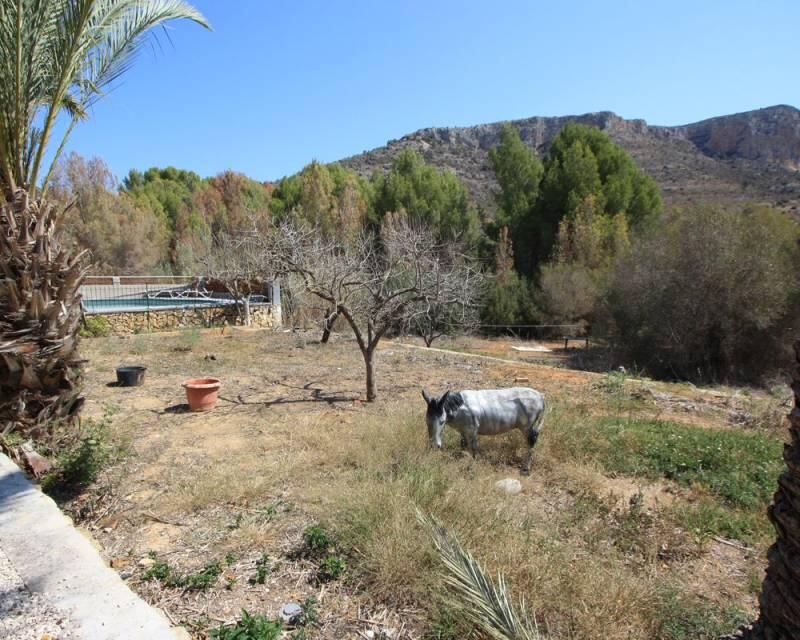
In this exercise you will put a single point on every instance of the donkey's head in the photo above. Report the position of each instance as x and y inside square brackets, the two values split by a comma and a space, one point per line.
[439, 411]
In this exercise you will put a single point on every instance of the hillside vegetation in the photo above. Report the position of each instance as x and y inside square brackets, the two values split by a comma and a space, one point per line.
[579, 235]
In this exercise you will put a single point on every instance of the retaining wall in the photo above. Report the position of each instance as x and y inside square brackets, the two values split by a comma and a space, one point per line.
[265, 316]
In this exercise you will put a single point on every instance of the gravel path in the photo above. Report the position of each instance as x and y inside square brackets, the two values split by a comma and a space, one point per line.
[25, 615]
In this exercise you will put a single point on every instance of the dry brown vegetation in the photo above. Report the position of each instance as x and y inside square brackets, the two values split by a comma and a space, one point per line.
[596, 552]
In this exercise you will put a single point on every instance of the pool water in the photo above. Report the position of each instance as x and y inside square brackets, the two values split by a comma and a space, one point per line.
[143, 304]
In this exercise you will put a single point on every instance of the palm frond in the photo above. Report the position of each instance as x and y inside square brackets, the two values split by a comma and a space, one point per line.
[484, 603]
[59, 56]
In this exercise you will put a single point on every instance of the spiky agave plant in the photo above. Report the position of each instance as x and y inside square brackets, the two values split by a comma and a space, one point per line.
[485, 603]
[57, 57]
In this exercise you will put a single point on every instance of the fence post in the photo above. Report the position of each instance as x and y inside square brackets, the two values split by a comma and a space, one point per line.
[147, 305]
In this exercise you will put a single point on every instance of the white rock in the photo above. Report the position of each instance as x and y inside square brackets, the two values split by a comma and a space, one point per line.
[508, 485]
[290, 612]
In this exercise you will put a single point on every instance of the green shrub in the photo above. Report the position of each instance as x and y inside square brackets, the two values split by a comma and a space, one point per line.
[262, 570]
[709, 294]
[94, 327]
[160, 571]
[316, 540]
[81, 457]
[508, 301]
[309, 616]
[681, 617]
[704, 518]
[197, 581]
[331, 568]
[249, 627]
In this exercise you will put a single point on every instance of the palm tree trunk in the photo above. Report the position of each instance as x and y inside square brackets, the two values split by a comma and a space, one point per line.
[779, 602]
[39, 316]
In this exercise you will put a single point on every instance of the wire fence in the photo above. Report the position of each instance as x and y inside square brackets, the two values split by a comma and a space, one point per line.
[131, 294]
[538, 331]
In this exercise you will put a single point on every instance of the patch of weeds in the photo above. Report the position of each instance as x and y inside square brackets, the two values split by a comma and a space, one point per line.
[309, 615]
[94, 327]
[767, 415]
[447, 624]
[139, 346]
[197, 581]
[319, 544]
[308, 619]
[755, 578]
[200, 580]
[682, 618]
[331, 568]
[705, 518]
[270, 511]
[249, 627]
[237, 522]
[262, 570]
[316, 540]
[612, 383]
[81, 455]
[740, 468]
[160, 571]
[230, 558]
[189, 338]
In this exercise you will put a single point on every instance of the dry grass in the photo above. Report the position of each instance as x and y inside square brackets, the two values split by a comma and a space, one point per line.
[593, 553]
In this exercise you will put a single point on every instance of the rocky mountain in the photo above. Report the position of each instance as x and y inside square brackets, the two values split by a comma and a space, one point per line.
[745, 157]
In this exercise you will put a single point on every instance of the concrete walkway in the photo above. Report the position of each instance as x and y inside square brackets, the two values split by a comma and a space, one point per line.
[59, 564]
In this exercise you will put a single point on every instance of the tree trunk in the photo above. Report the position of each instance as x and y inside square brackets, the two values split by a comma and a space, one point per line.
[369, 362]
[330, 320]
[779, 602]
[39, 316]
[247, 321]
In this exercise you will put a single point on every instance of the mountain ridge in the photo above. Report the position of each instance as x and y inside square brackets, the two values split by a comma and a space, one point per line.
[752, 156]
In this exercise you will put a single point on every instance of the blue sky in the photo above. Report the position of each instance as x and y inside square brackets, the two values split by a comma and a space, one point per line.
[278, 83]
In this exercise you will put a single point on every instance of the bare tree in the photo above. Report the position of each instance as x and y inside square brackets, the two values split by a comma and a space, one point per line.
[453, 301]
[375, 283]
[239, 263]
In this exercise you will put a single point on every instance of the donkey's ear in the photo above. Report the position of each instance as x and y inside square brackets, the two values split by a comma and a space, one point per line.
[425, 395]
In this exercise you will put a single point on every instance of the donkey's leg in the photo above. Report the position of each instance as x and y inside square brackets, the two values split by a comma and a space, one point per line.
[532, 435]
[472, 436]
[464, 443]
[473, 443]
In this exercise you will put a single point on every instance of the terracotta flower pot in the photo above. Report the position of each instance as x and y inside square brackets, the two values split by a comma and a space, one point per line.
[202, 393]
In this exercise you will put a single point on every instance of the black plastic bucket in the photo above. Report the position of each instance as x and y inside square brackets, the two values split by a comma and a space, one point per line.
[130, 376]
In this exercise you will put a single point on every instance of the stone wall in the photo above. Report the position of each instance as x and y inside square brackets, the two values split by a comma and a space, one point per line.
[265, 316]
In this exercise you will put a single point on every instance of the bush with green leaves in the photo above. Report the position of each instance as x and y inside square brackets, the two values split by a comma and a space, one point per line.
[94, 327]
[330, 568]
[708, 293]
[194, 581]
[248, 627]
[262, 570]
[316, 540]
[83, 454]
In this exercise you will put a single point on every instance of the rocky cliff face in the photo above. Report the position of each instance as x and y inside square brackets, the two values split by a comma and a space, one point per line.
[768, 135]
[745, 157]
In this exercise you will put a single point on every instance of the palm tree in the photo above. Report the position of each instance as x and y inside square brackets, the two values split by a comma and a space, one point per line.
[779, 601]
[57, 57]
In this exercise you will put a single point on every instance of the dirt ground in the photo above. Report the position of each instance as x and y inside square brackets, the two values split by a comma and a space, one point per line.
[245, 479]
